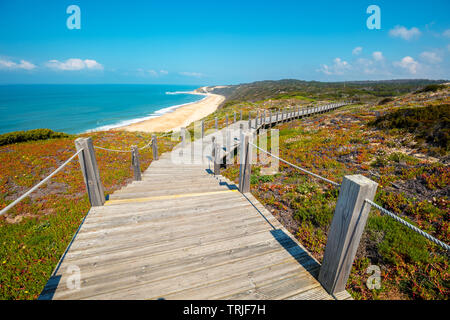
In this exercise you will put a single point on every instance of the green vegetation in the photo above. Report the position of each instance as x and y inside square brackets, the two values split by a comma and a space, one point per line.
[432, 88]
[350, 141]
[30, 135]
[283, 89]
[428, 124]
[35, 233]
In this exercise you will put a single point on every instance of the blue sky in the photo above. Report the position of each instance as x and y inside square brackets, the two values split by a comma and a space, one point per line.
[222, 42]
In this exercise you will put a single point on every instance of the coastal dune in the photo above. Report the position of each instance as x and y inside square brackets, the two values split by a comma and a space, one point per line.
[181, 117]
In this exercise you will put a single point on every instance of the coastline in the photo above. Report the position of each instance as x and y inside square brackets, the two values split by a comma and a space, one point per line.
[182, 115]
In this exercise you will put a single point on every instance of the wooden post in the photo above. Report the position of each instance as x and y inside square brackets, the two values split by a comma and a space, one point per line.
[155, 147]
[245, 166]
[203, 129]
[345, 232]
[249, 120]
[215, 156]
[135, 163]
[183, 137]
[240, 112]
[229, 157]
[89, 168]
[217, 124]
[270, 118]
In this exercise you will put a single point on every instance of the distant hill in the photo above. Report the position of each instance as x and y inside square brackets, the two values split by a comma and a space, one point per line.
[363, 90]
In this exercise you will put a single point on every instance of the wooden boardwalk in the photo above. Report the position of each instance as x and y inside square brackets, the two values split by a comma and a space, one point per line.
[183, 233]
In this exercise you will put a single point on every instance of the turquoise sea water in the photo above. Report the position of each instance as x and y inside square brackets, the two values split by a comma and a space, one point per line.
[80, 108]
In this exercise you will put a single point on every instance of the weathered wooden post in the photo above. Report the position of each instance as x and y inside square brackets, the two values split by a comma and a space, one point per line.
[183, 137]
[228, 158]
[154, 147]
[256, 119]
[136, 163]
[215, 156]
[345, 232]
[89, 168]
[203, 129]
[270, 118]
[245, 163]
[216, 124]
[249, 120]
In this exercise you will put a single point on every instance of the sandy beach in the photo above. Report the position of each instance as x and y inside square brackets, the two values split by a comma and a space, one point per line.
[181, 117]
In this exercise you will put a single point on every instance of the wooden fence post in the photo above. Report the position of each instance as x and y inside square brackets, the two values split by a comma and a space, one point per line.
[245, 166]
[155, 147]
[183, 137]
[345, 232]
[249, 120]
[215, 156]
[270, 118]
[203, 129]
[89, 168]
[136, 163]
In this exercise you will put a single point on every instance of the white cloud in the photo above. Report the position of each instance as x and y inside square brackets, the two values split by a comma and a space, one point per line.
[404, 33]
[357, 51]
[431, 57]
[74, 64]
[408, 64]
[152, 73]
[192, 74]
[446, 33]
[339, 67]
[11, 65]
[378, 56]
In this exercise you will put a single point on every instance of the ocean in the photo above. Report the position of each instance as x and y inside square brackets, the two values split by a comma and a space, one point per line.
[81, 108]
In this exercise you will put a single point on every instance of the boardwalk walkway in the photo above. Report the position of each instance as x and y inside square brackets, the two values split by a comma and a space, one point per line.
[183, 233]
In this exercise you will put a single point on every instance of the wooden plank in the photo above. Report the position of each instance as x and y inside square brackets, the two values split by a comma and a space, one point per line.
[346, 228]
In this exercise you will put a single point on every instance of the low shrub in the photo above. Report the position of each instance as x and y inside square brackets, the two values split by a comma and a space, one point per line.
[30, 135]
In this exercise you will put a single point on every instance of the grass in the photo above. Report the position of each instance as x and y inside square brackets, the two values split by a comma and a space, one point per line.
[35, 233]
[346, 142]
[430, 125]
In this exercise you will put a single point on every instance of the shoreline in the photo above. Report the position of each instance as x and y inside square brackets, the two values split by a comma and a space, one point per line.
[181, 116]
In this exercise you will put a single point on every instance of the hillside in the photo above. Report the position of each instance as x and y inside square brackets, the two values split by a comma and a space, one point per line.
[408, 158]
[356, 90]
